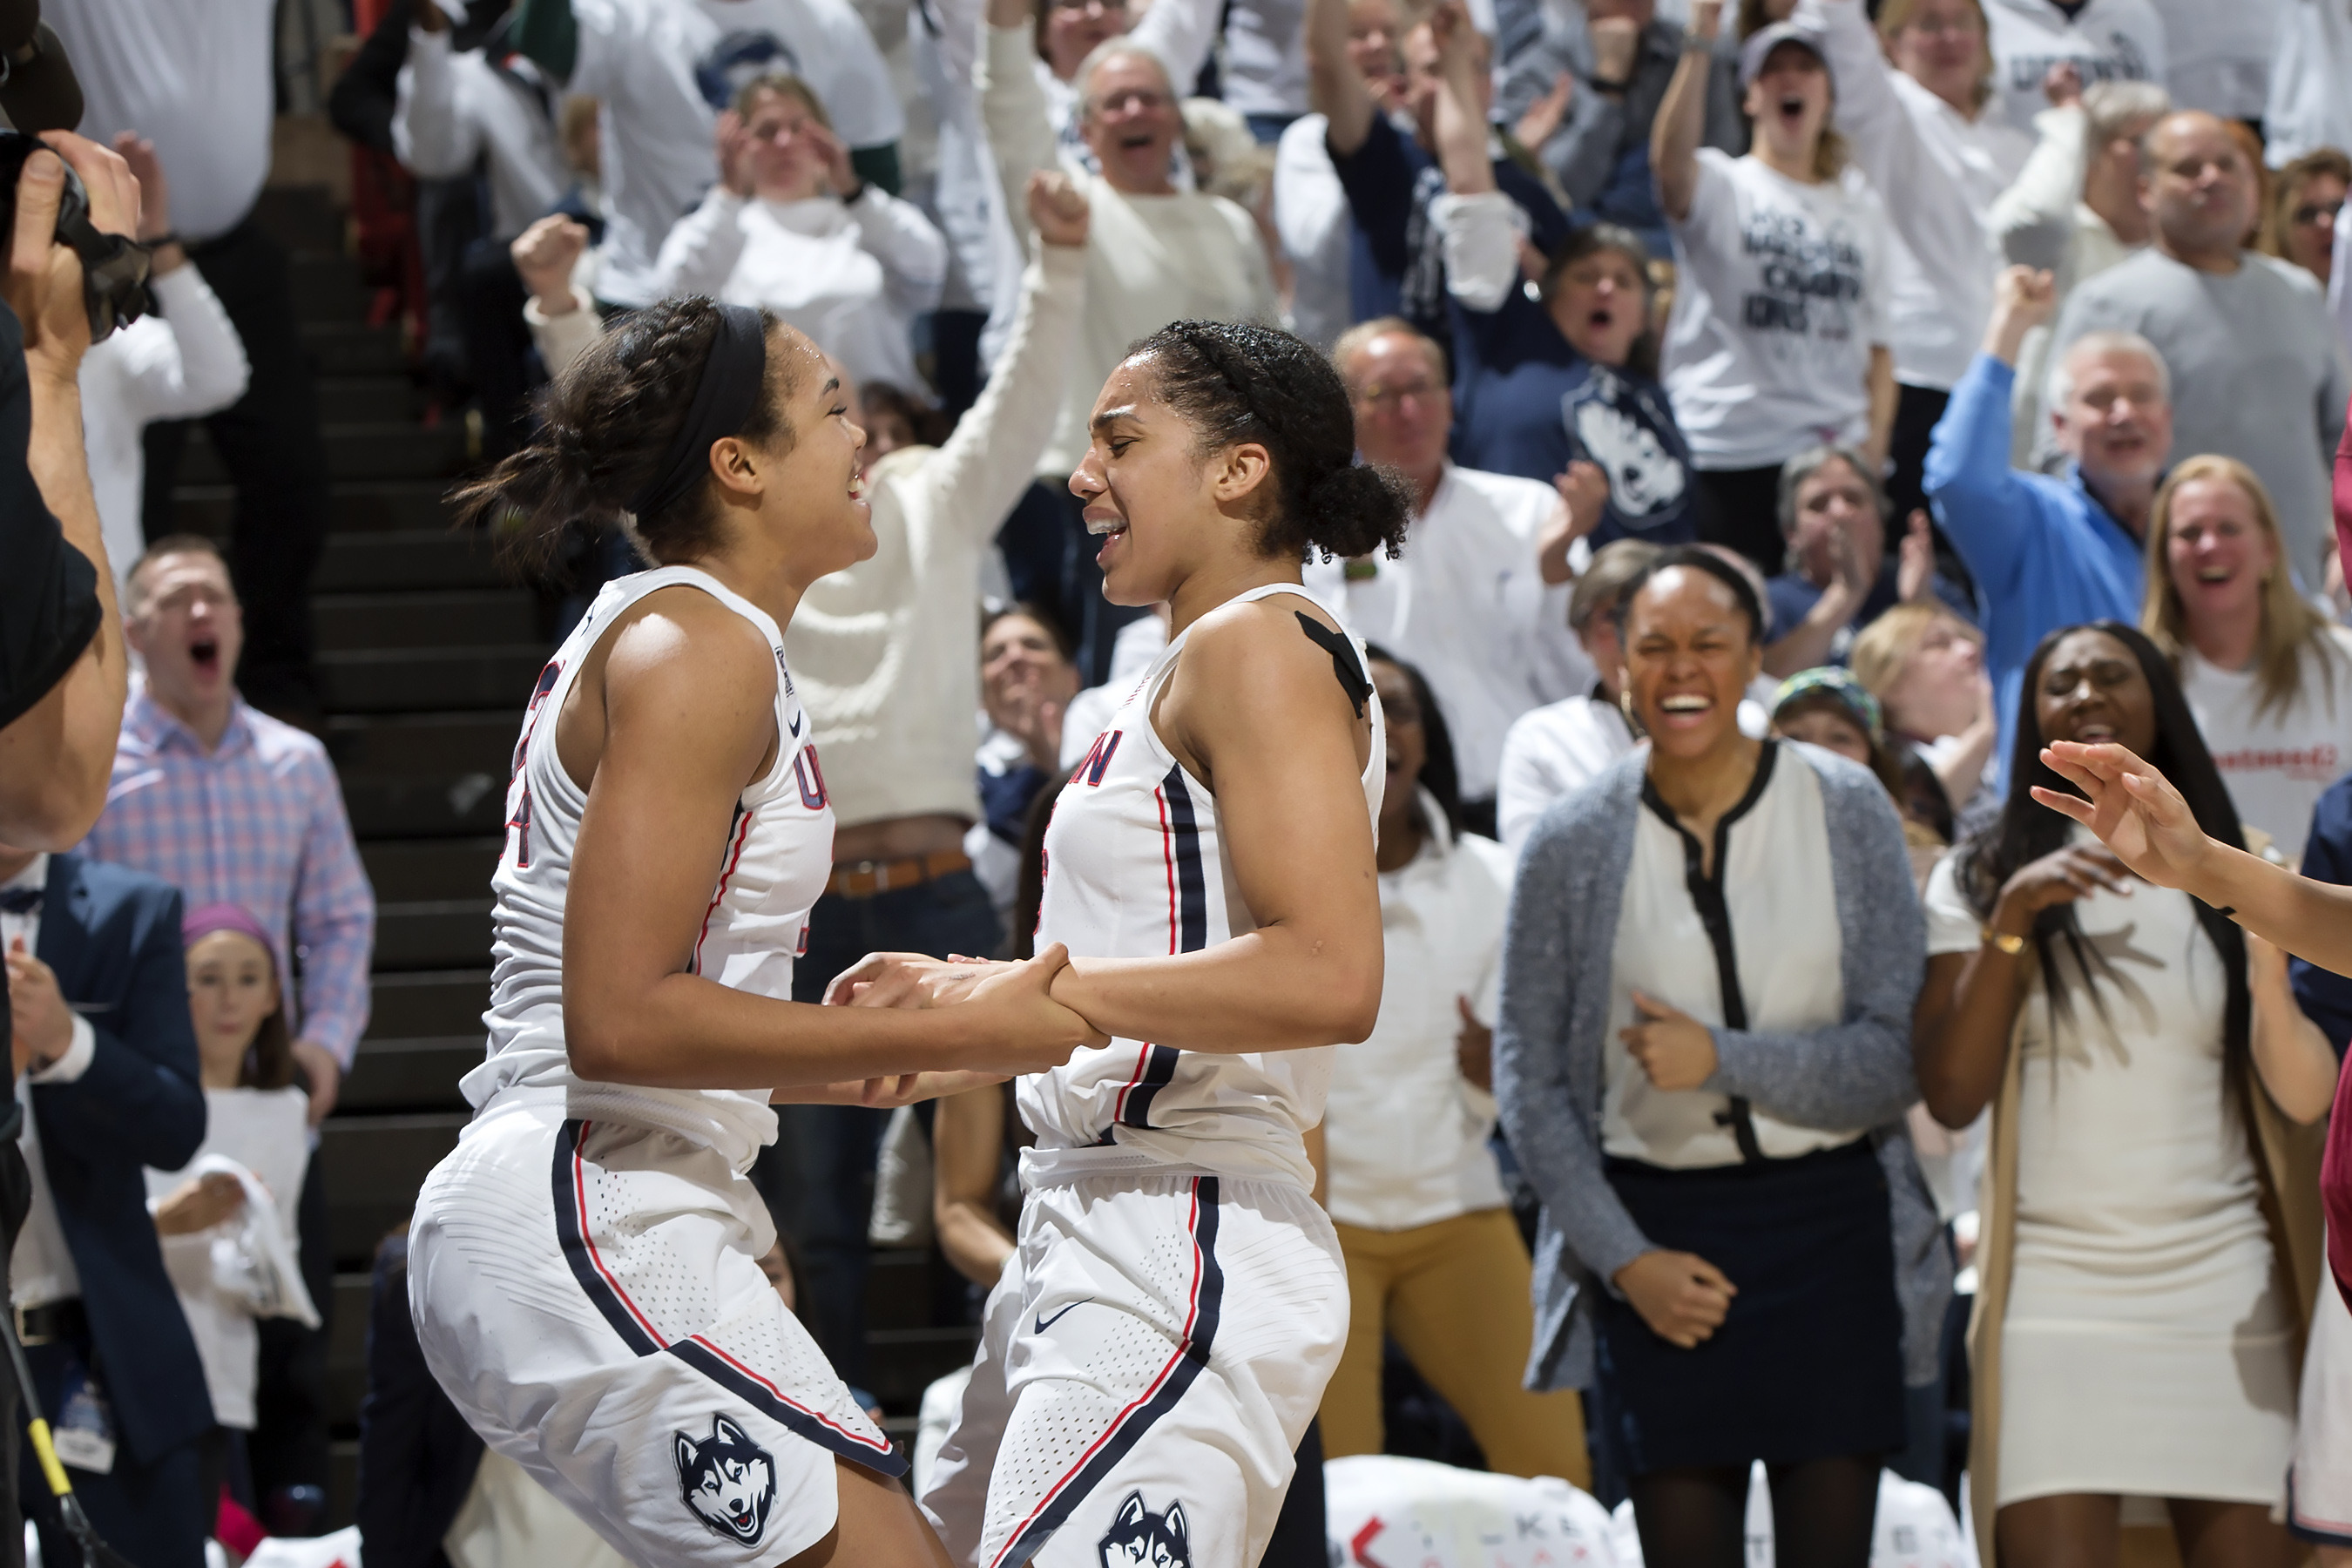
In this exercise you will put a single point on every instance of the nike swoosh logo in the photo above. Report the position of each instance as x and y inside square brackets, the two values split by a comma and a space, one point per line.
[797, 726]
[1044, 1323]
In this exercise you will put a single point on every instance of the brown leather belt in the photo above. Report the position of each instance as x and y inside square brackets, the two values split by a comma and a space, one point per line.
[863, 878]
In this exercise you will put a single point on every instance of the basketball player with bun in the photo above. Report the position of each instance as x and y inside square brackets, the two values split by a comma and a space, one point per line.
[585, 1267]
[1155, 1351]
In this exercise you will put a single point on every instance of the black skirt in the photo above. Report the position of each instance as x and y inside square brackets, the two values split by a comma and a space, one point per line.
[1809, 1364]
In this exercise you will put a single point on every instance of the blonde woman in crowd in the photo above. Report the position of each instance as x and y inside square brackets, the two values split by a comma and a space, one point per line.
[2150, 1242]
[2299, 220]
[2268, 677]
[1925, 667]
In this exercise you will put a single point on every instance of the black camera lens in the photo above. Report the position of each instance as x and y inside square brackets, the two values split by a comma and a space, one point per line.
[113, 267]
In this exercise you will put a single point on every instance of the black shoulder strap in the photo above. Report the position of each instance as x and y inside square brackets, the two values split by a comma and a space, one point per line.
[1344, 663]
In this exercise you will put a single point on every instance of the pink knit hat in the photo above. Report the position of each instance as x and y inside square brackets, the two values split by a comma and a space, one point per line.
[201, 923]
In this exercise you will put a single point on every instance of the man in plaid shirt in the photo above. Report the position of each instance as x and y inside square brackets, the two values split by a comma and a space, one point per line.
[232, 806]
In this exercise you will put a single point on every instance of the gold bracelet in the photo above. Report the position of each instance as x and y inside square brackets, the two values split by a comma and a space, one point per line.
[2011, 945]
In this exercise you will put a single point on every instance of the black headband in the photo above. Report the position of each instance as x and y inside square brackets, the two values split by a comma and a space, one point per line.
[723, 400]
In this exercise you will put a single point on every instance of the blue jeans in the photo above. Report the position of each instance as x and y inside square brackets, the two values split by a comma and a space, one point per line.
[818, 1178]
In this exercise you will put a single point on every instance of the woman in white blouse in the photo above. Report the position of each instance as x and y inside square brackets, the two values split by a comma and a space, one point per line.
[2268, 677]
[1433, 1255]
[2150, 1245]
[791, 226]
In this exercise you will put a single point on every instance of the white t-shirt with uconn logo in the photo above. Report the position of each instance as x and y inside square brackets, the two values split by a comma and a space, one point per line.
[1782, 292]
[2107, 40]
[2277, 764]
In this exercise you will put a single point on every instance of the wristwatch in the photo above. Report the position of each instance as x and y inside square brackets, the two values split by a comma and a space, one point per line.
[2011, 945]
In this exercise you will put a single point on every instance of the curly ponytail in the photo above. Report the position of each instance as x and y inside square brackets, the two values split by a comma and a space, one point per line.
[1234, 382]
[604, 427]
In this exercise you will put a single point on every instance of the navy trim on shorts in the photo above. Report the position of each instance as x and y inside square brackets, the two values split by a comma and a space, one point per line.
[2312, 1532]
[639, 1333]
[1157, 1070]
[1127, 1428]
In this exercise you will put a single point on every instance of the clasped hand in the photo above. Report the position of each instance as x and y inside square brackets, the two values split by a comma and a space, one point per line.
[1018, 1027]
[1676, 1050]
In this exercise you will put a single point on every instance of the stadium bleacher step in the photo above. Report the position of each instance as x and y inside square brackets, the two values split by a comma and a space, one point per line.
[429, 1002]
[411, 1076]
[431, 934]
[439, 869]
[373, 1166]
[406, 558]
[402, 680]
[366, 399]
[471, 617]
[384, 450]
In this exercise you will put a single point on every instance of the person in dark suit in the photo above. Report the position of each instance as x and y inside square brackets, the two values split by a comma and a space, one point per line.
[106, 1054]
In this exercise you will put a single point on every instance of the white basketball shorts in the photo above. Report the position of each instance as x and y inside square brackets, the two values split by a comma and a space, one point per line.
[589, 1295]
[2319, 1483]
[1149, 1364]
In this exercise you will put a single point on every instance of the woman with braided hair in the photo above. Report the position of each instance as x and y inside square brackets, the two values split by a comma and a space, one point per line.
[588, 1269]
[1154, 1350]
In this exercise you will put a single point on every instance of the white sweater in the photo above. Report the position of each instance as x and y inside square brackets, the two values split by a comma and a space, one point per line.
[2309, 107]
[182, 361]
[1151, 260]
[853, 277]
[454, 107]
[887, 654]
[1939, 174]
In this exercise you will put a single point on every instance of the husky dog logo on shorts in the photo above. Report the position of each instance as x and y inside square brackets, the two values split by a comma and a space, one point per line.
[727, 1479]
[1139, 1538]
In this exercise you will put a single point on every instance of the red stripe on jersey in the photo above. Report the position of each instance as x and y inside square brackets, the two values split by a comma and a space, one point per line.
[734, 857]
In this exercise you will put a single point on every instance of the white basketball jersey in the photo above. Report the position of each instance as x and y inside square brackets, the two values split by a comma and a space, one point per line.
[1135, 866]
[779, 855]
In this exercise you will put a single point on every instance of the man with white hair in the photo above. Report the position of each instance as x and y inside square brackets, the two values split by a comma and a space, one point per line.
[1479, 599]
[2051, 550]
[1155, 254]
[2247, 337]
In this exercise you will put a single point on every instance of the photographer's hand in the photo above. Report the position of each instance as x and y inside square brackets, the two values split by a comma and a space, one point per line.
[154, 203]
[43, 283]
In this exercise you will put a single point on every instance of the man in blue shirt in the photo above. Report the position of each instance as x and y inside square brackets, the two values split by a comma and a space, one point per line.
[2051, 550]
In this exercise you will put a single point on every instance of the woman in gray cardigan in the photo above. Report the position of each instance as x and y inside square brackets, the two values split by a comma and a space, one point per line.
[1703, 1063]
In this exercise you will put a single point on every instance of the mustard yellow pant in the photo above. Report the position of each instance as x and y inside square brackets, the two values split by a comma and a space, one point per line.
[1455, 1294]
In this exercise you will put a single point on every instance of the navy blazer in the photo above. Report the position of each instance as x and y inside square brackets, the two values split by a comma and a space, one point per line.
[112, 936]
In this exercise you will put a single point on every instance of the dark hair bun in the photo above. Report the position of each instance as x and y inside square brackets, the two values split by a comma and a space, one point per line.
[1357, 509]
[605, 425]
[1236, 382]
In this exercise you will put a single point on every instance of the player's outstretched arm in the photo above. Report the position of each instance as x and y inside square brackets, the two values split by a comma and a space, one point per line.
[2137, 814]
[687, 723]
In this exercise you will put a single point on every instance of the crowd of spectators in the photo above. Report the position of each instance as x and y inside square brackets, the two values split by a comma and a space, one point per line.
[1808, 408]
